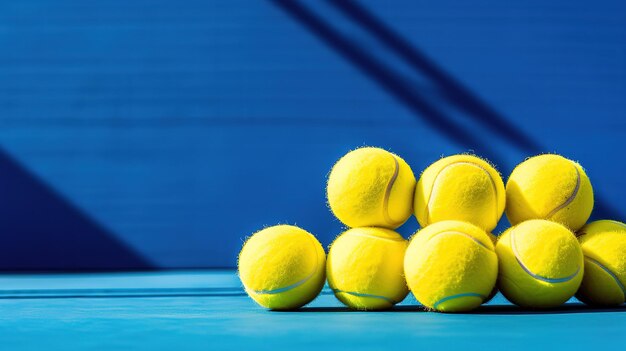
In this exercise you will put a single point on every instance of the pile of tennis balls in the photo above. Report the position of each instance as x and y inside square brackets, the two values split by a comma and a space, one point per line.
[453, 263]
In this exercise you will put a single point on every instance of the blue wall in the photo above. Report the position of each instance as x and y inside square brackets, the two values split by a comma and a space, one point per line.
[159, 134]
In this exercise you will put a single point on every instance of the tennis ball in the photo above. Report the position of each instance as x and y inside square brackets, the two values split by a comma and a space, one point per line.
[549, 187]
[541, 264]
[282, 267]
[460, 187]
[491, 295]
[371, 187]
[494, 239]
[604, 247]
[365, 268]
[451, 266]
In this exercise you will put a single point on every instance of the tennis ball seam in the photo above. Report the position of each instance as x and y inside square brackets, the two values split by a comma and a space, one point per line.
[609, 272]
[469, 294]
[480, 243]
[534, 275]
[432, 188]
[583, 231]
[357, 294]
[373, 236]
[298, 283]
[570, 199]
[390, 184]
[451, 297]
[620, 224]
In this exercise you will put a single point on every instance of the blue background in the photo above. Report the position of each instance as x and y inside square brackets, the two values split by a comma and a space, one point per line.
[159, 134]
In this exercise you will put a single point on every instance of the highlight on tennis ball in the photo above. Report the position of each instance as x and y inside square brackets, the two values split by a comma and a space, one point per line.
[549, 187]
[451, 266]
[282, 267]
[604, 247]
[460, 187]
[365, 268]
[541, 264]
[453, 263]
[371, 187]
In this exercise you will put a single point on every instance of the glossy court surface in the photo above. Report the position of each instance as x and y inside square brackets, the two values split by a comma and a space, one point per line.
[207, 310]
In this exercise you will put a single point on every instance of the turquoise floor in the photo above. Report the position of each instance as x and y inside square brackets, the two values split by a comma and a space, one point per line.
[208, 311]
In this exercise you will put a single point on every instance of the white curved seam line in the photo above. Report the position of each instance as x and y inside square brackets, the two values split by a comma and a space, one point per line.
[608, 271]
[463, 234]
[430, 194]
[388, 193]
[617, 223]
[296, 284]
[432, 189]
[448, 298]
[570, 198]
[537, 276]
[338, 291]
[377, 237]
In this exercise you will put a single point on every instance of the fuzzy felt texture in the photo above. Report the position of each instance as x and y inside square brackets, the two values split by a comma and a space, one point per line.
[604, 246]
[365, 270]
[541, 264]
[451, 266]
[460, 187]
[549, 187]
[371, 187]
[282, 267]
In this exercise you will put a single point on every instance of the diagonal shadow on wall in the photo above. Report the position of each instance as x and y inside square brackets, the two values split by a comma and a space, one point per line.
[420, 106]
[386, 77]
[42, 231]
[452, 89]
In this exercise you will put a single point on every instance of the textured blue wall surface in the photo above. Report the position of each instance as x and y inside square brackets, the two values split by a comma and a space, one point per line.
[159, 134]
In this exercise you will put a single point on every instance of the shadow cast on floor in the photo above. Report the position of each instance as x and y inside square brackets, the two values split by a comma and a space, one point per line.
[568, 308]
[405, 308]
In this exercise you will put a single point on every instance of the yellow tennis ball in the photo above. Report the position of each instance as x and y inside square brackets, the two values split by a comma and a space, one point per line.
[604, 246]
[371, 187]
[541, 264]
[494, 239]
[365, 268]
[282, 267]
[549, 187]
[460, 187]
[451, 266]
